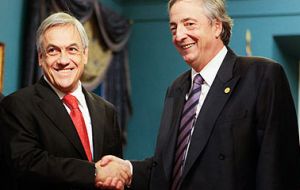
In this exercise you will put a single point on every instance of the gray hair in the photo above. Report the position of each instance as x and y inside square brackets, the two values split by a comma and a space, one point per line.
[214, 9]
[56, 19]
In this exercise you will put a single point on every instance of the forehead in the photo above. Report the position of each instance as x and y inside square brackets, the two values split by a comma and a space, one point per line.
[62, 35]
[186, 9]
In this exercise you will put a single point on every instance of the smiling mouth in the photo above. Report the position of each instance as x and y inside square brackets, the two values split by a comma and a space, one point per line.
[63, 70]
[187, 46]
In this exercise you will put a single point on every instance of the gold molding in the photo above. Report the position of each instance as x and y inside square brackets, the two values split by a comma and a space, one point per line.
[1, 65]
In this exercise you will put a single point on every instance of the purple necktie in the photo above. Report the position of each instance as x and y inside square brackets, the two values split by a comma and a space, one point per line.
[184, 134]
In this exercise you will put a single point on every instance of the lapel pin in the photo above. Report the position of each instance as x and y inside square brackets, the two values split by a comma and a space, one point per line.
[227, 90]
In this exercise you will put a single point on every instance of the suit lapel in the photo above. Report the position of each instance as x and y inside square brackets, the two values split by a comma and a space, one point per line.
[97, 124]
[174, 102]
[212, 107]
[53, 108]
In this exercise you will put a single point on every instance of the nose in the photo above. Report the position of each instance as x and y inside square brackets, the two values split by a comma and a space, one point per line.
[180, 33]
[64, 58]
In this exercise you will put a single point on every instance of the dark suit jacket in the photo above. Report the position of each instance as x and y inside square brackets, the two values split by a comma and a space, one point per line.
[41, 144]
[246, 139]
[1, 96]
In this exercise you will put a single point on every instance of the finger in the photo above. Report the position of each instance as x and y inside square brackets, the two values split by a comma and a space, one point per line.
[115, 182]
[99, 185]
[120, 185]
[126, 174]
[126, 168]
[107, 182]
[124, 177]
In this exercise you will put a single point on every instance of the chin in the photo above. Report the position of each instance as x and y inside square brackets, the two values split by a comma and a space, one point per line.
[64, 84]
[188, 60]
[66, 89]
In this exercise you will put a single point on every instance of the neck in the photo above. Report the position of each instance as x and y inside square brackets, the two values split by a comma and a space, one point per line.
[209, 56]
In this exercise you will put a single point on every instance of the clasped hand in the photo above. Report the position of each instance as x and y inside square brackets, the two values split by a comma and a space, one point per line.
[112, 173]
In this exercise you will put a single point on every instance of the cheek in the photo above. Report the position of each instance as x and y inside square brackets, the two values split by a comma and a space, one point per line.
[80, 66]
[77, 61]
[47, 66]
[46, 69]
[173, 40]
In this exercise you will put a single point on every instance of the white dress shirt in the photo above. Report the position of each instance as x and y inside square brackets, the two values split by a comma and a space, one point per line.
[208, 73]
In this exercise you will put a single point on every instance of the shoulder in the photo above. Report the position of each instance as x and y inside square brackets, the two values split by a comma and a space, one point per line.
[179, 84]
[21, 94]
[181, 79]
[21, 100]
[98, 101]
[259, 65]
[261, 62]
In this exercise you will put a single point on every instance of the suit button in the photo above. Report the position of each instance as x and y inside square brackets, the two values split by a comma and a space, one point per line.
[221, 157]
[154, 164]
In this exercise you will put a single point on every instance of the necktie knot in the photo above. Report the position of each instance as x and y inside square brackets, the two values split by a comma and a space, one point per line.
[198, 79]
[71, 101]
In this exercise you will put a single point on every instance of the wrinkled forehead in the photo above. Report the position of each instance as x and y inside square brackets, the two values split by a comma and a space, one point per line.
[186, 10]
[61, 36]
[173, 2]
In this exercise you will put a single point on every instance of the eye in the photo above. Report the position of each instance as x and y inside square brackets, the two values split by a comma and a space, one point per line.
[189, 25]
[73, 50]
[173, 29]
[52, 51]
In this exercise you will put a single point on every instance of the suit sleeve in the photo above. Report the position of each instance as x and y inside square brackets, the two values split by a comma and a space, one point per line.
[141, 174]
[142, 169]
[27, 159]
[278, 165]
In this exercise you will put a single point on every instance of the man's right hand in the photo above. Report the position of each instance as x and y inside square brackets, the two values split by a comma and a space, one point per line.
[112, 173]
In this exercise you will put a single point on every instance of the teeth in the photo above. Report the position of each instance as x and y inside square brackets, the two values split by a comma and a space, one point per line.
[63, 70]
[187, 46]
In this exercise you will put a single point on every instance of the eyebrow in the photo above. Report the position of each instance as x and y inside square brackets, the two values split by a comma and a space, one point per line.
[73, 44]
[183, 20]
[52, 45]
[189, 18]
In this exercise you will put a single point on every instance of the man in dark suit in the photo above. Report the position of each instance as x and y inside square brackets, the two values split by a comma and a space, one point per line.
[243, 132]
[2, 164]
[44, 146]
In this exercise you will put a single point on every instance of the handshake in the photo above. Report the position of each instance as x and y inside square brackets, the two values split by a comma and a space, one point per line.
[113, 173]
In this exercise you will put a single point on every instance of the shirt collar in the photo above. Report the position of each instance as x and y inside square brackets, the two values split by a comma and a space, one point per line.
[78, 93]
[209, 72]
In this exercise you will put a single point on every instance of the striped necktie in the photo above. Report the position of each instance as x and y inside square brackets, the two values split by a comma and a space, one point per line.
[184, 134]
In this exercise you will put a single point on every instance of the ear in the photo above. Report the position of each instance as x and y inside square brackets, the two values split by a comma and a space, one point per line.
[218, 27]
[40, 58]
[85, 55]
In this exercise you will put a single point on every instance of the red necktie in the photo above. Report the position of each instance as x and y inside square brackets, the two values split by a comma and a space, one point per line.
[78, 121]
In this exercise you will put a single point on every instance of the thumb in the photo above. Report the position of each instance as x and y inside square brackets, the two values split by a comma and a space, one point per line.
[105, 160]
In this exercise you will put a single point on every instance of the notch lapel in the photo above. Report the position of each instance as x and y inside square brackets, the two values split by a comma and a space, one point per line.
[174, 104]
[97, 124]
[53, 108]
